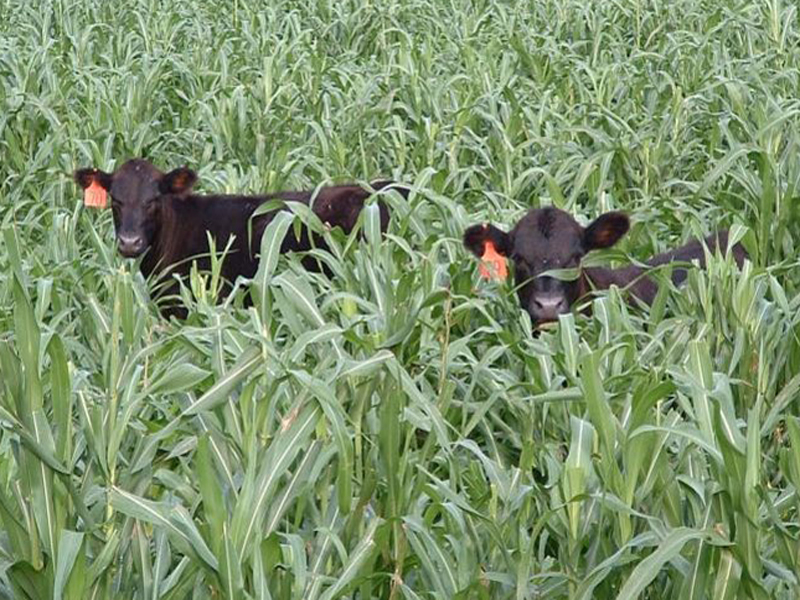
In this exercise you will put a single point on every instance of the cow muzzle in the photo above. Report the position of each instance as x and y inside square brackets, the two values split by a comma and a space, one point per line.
[130, 246]
[547, 307]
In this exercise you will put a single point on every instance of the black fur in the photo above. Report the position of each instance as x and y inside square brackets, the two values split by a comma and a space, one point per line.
[549, 238]
[169, 224]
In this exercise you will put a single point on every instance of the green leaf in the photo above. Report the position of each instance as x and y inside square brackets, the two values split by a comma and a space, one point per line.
[700, 368]
[41, 479]
[355, 561]
[435, 562]
[336, 420]
[649, 568]
[271, 242]
[256, 496]
[62, 397]
[596, 402]
[726, 584]
[101, 563]
[27, 583]
[177, 379]
[366, 367]
[299, 293]
[213, 505]
[27, 338]
[301, 479]
[218, 393]
[372, 225]
[753, 458]
[70, 546]
[230, 567]
[389, 440]
[172, 519]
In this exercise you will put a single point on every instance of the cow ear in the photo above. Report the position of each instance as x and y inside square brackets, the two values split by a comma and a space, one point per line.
[86, 177]
[605, 231]
[492, 246]
[475, 239]
[179, 181]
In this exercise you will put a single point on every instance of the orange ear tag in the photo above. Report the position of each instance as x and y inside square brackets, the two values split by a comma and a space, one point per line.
[492, 265]
[95, 196]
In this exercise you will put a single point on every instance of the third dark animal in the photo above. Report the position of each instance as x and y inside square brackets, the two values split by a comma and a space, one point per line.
[548, 239]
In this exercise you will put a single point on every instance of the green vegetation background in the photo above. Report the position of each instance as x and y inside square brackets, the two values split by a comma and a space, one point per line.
[397, 432]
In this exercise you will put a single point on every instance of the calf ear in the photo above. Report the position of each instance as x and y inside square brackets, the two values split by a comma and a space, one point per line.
[85, 178]
[179, 181]
[605, 231]
[492, 246]
[475, 239]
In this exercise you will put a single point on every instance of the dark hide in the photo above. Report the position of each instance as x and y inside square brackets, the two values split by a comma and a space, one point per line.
[157, 215]
[644, 288]
[549, 238]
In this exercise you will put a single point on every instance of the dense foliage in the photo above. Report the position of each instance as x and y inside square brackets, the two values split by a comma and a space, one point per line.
[397, 431]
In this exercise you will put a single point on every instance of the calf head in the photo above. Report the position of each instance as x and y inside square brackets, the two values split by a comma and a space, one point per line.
[137, 190]
[547, 239]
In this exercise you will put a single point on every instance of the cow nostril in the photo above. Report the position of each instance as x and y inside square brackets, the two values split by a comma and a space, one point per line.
[130, 242]
[130, 246]
[549, 305]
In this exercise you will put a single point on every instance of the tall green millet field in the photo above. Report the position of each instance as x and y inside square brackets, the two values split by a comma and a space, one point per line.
[397, 431]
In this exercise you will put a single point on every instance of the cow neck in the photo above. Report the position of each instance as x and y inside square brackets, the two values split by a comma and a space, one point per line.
[585, 282]
[175, 236]
[591, 278]
[628, 277]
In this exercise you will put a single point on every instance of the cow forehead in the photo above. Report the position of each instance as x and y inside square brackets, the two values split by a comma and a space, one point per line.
[135, 179]
[547, 232]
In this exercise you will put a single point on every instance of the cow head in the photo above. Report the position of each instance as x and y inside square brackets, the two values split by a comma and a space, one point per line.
[547, 239]
[137, 190]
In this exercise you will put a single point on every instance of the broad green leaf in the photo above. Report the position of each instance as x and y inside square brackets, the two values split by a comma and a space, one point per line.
[649, 568]
[355, 561]
[62, 397]
[230, 567]
[729, 571]
[299, 293]
[222, 387]
[301, 478]
[597, 403]
[70, 544]
[27, 339]
[177, 379]
[172, 519]
[26, 582]
[213, 505]
[271, 242]
[255, 497]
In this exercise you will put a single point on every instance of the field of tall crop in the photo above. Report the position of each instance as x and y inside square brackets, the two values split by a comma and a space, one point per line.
[398, 431]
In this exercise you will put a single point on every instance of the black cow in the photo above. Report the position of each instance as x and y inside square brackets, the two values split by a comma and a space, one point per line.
[157, 215]
[549, 238]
